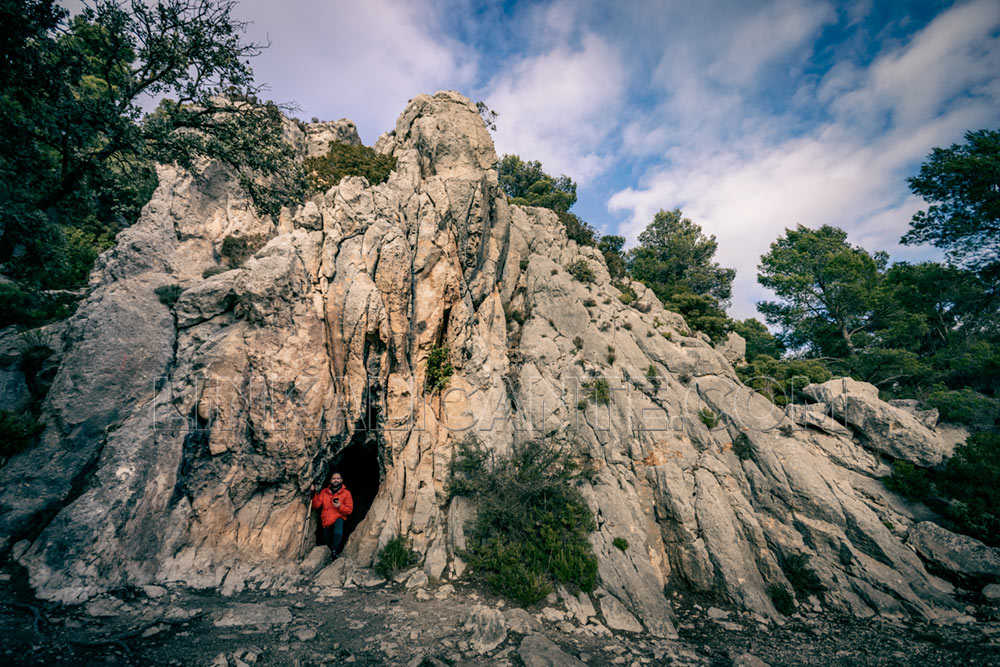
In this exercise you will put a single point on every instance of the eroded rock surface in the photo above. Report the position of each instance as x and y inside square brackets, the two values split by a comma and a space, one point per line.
[181, 441]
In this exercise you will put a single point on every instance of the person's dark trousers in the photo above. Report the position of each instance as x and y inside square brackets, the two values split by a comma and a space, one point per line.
[333, 535]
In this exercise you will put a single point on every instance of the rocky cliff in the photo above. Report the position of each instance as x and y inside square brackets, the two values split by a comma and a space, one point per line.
[181, 438]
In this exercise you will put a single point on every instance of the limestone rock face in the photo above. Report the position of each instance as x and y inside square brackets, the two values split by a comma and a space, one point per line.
[895, 431]
[181, 442]
[960, 554]
[319, 135]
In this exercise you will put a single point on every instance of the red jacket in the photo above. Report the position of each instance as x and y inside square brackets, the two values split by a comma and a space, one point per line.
[329, 512]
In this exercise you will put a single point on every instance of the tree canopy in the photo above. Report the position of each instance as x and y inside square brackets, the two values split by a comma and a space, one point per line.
[528, 185]
[77, 147]
[962, 185]
[674, 256]
[829, 290]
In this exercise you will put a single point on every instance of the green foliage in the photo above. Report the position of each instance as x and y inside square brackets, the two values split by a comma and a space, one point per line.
[803, 578]
[674, 257]
[342, 160]
[17, 432]
[620, 543]
[910, 481]
[238, 249]
[77, 147]
[580, 269]
[528, 185]
[599, 391]
[960, 183]
[578, 342]
[32, 308]
[708, 418]
[782, 599]
[523, 265]
[966, 493]
[964, 406]
[577, 229]
[439, 369]
[394, 557]
[653, 376]
[829, 291]
[611, 248]
[743, 447]
[702, 313]
[168, 294]
[759, 339]
[531, 522]
[589, 302]
[780, 380]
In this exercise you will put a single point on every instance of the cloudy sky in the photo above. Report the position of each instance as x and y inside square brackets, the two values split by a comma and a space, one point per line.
[749, 116]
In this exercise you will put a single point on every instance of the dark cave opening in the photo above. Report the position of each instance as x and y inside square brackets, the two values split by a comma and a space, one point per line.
[358, 463]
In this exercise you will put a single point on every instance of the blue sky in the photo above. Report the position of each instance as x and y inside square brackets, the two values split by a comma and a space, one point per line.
[749, 116]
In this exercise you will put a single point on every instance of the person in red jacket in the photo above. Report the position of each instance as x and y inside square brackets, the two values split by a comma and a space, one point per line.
[335, 504]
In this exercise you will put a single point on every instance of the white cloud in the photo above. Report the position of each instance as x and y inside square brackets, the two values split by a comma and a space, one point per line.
[362, 60]
[560, 106]
[849, 171]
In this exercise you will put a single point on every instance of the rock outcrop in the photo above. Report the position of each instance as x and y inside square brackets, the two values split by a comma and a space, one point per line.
[181, 439]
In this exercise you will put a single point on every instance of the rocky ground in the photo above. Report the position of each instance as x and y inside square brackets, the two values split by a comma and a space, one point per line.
[411, 622]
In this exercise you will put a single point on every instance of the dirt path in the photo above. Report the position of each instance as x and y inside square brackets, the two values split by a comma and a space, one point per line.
[441, 625]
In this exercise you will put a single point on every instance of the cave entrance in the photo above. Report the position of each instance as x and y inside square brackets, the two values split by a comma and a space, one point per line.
[358, 464]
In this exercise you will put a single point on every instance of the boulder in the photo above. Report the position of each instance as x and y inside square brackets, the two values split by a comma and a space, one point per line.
[486, 629]
[886, 429]
[961, 555]
[540, 651]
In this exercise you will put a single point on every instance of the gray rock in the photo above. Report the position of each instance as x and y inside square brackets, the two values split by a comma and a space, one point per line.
[520, 621]
[748, 660]
[960, 554]
[733, 349]
[317, 559]
[616, 616]
[486, 629]
[154, 592]
[253, 614]
[884, 428]
[991, 592]
[540, 651]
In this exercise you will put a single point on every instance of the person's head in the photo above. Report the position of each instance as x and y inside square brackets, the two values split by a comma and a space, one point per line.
[336, 481]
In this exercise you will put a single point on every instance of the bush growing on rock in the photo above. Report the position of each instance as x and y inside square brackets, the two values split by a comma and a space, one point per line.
[580, 269]
[439, 369]
[342, 160]
[236, 250]
[394, 557]
[531, 524]
[964, 406]
[782, 599]
[17, 432]
[599, 391]
[620, 543]
[708, 418]
[168, 294]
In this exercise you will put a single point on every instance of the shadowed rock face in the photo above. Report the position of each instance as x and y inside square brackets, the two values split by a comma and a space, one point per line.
[181, 442]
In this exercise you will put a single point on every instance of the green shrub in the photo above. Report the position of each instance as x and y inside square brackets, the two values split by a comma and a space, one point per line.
[394, 557]
[168, 294]
[31, 307]
[653, 376]
[708, 418]
[236, 250]
[577, 229]
[620, 543]
[964, 406]
[589, 303]
[531, 522]
[742, 447]
[580, 269]
[578, 343]
[524, 265]
[668, 335]
[803, 578]
[781, 380]
[342, 160]
[626, 298]
[611, 355]
[627, 326]
[439, 369]
[910, 481]
[17, 431]
[599, 391]
[581, 404]
[782, 599]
